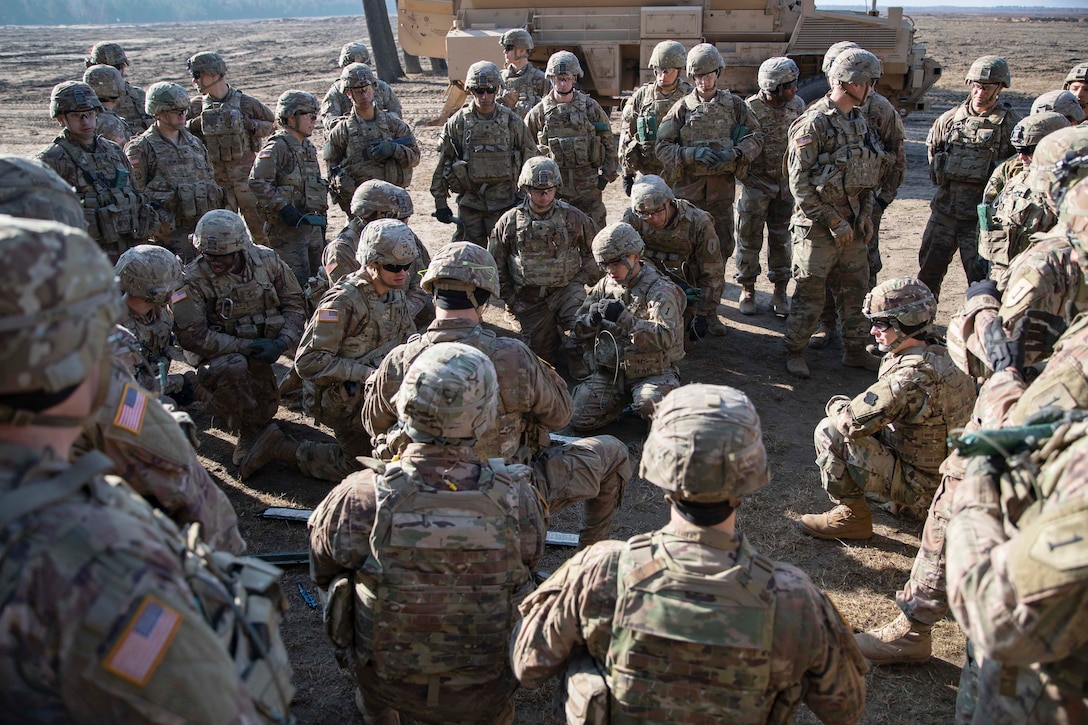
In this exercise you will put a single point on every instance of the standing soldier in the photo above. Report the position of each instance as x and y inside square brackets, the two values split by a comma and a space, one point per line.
[765, 199]
[643, 112]
[541, 248]
[171, 166]
[109, 86]
[688, 623]
[835, 163]
[965, 146]
[239, 309]
[336, 105]
[1076, 82]
[292, 195]
[523, 80]
[370, 143]
[116, 214]
[131, 105]
[480, 155]
[232, 126]
[574, 131]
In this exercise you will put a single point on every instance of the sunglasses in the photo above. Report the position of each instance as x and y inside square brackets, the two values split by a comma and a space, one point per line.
[487, 90]
[395, 268]
[882, 325]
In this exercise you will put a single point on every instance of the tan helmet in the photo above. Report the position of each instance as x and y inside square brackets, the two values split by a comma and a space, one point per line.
[107, 54]
[149, 272]
[375, 197]
[483, 74]
[220, 232]
[386, 241]
[293, 102]
[775, 72]
[517, 38]
[834, 52]
[855, 65]
[989, 69]
[650, 194]
[207, 62]
[163, 96]
[107, 81]
[540, 172]
[1062, 102]
[462, 266]
[450, 392]
[1078, 73]
[705, 445]
[31, 190]
[563, 63]
[354, 53]
[906, 302]
[357, 75]
[1028, 132]
[73, 96]
[1060, 160]
[669, 54]
[704, 58]
[58, 302]
[616, 241]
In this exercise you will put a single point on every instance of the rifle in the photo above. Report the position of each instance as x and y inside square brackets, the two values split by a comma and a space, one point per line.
[1007, 442]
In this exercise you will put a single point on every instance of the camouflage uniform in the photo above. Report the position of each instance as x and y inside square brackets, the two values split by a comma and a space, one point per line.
[348, 153]
[336, 106]
[642, 116]
[1017, 213]
[1007, 169]
[130, 107]
[529, 83]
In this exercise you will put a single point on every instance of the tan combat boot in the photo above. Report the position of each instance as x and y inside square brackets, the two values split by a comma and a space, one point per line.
[243, 446]
[780, 302]
[851, 519]
[715, 326]
[860, 358]
[747, 304]
[900, 641]
[796, 365]
[822, 336]
[271, 445]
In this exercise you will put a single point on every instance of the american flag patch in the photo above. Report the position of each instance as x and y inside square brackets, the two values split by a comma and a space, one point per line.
[804, 140]
[178, 296]
[326, 315]
[330, 267]
[144, 642]
[134, 160]
[265, 154]
[130, 413]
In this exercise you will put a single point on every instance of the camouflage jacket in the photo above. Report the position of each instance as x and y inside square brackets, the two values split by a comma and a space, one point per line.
[132, 108]
[578, 136]
[287, 171]
[178, 178]
[348, 149]
[765, 172]
[255, 123]
[642, 116]
[153, 334]
[888, 126]
[812, 655]
[336, 105]
[529, 83]
[1007, 169]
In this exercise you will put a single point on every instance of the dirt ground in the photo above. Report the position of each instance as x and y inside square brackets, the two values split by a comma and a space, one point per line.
[267, 57]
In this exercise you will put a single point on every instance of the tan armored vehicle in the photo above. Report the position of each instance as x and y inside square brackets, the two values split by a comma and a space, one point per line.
[613, 40]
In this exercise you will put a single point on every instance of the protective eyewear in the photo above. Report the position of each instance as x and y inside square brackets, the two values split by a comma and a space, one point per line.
[484, 91]
[984, 86]
[81, 115]
[395, 268]
[312, 116]
[882, 325]
[651, 214]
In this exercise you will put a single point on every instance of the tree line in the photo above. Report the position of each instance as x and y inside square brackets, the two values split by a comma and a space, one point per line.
[101, 12]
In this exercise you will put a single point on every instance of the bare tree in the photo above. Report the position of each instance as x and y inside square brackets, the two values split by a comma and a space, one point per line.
[383, 49]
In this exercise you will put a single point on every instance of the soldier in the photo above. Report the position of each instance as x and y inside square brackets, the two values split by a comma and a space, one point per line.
[835, 164]
[408, 531]
[131, 105]
[96, 574]
[1015, 165]
[116, 214]
[574, 131]
[171, 166]
[355, 325]
[370, 143]
[336, 105]
[647, 106]
[525, 83]
[533, 399]
[1062, 102]
[109, 86]
[31, 190]
[689, 623]
[480, 155]
[965, 146]
[631, 328]
[703, 141]
[541, 249]
[892, 438]
[232, 126]
[239, 309]
[681, 242]
[1076, 82]
[291, 193]
[765, 199]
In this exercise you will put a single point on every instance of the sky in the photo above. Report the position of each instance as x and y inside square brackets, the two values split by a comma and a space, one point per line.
[993, 4]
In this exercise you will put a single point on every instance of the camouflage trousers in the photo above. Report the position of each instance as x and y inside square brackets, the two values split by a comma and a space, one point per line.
[829, 317]
[476, 225]
[335, 461]
[602, 397]
[944, 234]
[300, 247]
[239, 197]
[240, 390]
[924, 598]
[593, 469]
[757, 209]
[491, 702]
[544, 315]
[819, 262]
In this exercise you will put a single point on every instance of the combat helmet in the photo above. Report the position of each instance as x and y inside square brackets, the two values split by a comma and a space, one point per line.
[73, 96]
[386, 241]
[1060, 160]
[834, 52]
[107, 54]
[1029, 131]
[357, 75]
[669, 54]
[462, 266]
[149, 272]
[58, 302]
[107, 81]
[293, 102]
[220, 232]
[449, 392]
[855, 65]
[31, 190]
[704, 58]
[163, 96]
[775, 72]
[906, 302]
[517, 38]
[705, 445]
[483, 74]
[206, 62]
[381, 199]
[354, 53]
[649, 195]
[989, 69]
[1062, 102]
[540, 172]
[563, 62]
[1078, 73]
[616, 241]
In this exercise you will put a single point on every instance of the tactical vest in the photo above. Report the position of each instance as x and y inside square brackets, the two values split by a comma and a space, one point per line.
[969, 151]
[649, 108]
[357, 160]
[302, 184]
[635, 363]
[545, 255]
[854, 166]
[131, 107]
[569, 133]
[708, 124]
[436, 596]
[112, 207]
[525, 85]
[488, 149]
[1017, 213]
[184, 182]
[223, 126]
[687, 647]
[152, 336]
[249, 309]
[672, 245]
[775, 123]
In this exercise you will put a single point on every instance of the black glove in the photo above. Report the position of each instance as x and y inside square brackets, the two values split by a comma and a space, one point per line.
[983, 287]
[443, 214]
[595, 316]
[706, 156]
[265, 350]
[383, 150]
[601, 182]
[613, 310]
[187, 394]
[290, 216]
[628, 183]
[1001, 350]
[700, 328]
